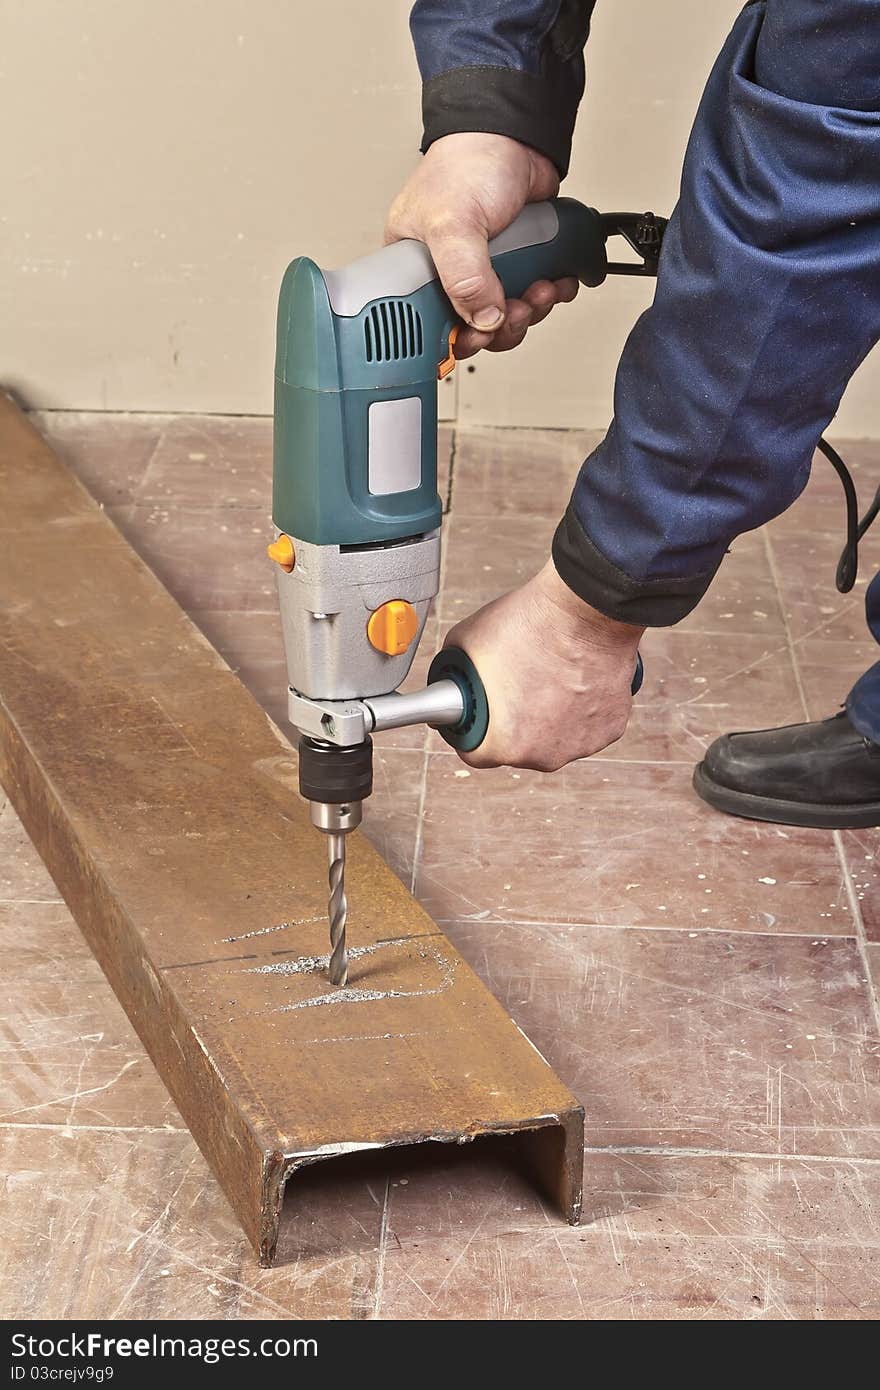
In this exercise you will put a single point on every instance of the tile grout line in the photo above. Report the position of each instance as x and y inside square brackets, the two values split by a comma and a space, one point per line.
[383, 1250]
[649, 1151]
[597, 758]
[150, 461]
[843, 862]
[465, 428]
[420, 818]
[453, 446]
[93, 1129]
[860, 934]
[636, 926]
[32, 902]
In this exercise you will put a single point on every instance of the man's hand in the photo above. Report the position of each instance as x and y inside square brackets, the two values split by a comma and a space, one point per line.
[556, 672]
[466, 190]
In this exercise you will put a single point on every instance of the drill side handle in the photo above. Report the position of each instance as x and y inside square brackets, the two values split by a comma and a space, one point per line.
[454, 664]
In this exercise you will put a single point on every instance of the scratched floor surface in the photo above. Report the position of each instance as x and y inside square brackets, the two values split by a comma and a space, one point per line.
[702, 983]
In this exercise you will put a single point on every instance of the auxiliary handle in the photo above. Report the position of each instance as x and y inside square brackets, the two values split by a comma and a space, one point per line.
[453, 664]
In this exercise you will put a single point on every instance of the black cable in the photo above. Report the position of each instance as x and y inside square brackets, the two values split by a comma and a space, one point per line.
[848, 564]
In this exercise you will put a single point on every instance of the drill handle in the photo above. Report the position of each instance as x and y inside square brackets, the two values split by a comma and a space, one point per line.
[359, 352]
[452, 663]
[547, 241]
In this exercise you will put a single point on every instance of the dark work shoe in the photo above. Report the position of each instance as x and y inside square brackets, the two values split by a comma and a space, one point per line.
[824, 774]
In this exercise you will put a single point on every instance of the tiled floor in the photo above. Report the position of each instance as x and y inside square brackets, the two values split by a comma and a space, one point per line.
[702, 983]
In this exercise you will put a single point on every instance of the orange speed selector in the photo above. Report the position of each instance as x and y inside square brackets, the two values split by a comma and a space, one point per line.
[282, 552]
[392, 627]
[448, 363]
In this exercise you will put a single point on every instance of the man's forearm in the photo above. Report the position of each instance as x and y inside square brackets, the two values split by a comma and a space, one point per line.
[514, 68]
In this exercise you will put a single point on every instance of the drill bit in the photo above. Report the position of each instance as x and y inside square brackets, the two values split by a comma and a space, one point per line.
[337, 910]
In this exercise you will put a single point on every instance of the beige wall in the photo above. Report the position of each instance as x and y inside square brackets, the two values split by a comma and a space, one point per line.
[164, 159]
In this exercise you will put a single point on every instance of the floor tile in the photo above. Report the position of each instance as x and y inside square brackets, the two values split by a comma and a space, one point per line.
[663, 1238]
[392, 814]
[39, 941]
[211, 461]
[805, 567]
[70, 1056]
[250, 642]
[592, 844]
[518, 473]
[23, 875]
[697, 687]
[110, 453]
[805, 545]
[484, 561]
[446, 440]
[829, 669]
[488, 555]
[873, 954]
[207, 561]
[748, 1043]
[128, 1224]
[861, 850]
[820, 506]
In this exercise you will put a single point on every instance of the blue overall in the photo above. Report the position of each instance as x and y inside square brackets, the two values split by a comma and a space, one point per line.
[768, 295]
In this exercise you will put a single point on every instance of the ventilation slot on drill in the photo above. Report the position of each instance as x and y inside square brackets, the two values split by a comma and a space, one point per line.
[392, 330]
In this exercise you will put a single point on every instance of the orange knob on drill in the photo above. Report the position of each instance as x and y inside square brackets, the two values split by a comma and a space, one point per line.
[392, 627]
[283, 553]
[448, 363]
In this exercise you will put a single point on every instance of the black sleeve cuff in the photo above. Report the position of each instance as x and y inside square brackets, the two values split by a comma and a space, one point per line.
[537, 111]
[644, 603]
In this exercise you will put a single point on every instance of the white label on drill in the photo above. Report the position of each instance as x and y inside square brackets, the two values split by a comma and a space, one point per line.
[395, 460]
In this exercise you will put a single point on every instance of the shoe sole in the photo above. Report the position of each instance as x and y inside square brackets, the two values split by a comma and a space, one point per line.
[783, 812]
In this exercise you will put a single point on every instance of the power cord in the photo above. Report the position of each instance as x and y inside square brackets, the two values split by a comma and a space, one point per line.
[848, 564]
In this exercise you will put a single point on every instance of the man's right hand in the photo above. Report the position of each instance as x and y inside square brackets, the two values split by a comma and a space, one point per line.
[466, 190]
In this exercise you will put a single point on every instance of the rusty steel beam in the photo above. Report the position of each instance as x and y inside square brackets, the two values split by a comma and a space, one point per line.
[164, 803]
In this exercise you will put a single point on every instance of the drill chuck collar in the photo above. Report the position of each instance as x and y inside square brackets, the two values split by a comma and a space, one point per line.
[333, 774]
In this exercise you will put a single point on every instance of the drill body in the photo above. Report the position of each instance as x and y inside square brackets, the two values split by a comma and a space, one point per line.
[359, 351]
[355, 504]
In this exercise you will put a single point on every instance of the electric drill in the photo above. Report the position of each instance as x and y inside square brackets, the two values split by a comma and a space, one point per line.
[355, 505]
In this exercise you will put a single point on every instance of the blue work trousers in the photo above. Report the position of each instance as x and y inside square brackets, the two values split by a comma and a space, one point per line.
[767, 300]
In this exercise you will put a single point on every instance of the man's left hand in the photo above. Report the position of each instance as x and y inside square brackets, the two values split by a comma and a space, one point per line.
[557, 675]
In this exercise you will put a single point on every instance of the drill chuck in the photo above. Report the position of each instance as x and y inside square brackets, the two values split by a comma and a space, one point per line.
[335, 780]
[335, 775]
